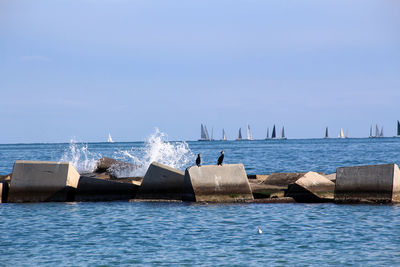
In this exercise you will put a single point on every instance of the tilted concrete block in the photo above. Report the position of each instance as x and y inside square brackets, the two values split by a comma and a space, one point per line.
[212, 183]
[311, 188]
[377, 183]
[161, 182]
[37, 181]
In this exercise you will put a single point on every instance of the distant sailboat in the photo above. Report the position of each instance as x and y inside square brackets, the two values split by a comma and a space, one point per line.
[381, 133]
[341, 134]
[224, 135]
[204, 134]
[110, 140]
[326, 133]
[283, 133]
[347, 133]
[249, 136]
[267, 133]
[377, 134]
[240, 135]
[398, 129]
[370, 132]
[273, 136]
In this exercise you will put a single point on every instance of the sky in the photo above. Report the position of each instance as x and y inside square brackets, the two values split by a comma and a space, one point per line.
[81, 69]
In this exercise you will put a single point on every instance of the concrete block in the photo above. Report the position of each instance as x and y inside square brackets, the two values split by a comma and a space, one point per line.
[311, 188]
[162, 182]
[37, 181]
[94, 189]
[212, 183]
[377, 183]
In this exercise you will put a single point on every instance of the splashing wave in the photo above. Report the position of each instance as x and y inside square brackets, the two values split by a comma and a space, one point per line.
[157, 148]
[81, 158]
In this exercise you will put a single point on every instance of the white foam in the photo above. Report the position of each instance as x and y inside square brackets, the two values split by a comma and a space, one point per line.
[157, 148]
[81, 158]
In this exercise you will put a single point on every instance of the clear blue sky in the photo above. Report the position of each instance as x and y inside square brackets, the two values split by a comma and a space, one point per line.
[81, 69]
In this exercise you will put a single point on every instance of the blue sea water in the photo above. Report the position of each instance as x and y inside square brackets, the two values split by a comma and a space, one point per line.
[143, 234]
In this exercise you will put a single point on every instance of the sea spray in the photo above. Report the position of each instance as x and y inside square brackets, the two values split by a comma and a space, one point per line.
[81, 158]
[157, 148]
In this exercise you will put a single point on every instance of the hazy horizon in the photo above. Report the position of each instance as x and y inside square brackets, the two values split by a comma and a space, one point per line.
[83, 69]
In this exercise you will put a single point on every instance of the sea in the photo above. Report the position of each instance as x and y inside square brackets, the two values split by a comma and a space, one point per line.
[189, 234]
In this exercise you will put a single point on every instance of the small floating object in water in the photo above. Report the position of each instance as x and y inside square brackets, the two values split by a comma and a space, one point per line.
[259, 230]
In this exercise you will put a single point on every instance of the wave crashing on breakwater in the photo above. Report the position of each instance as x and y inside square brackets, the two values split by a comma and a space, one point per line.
[80, 157]
[157, 148]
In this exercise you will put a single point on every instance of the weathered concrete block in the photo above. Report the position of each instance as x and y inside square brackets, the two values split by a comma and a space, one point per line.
[37, 181]
[212, 183]
[311, 188]
[162, 182]
[377, 183]
[94, 189]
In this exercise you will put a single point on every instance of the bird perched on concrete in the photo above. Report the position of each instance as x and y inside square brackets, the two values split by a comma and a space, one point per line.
[221, 158]
[198, 160]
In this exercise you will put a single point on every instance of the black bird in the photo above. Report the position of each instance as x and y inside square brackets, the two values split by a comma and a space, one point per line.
[221, 158]
[198, 160]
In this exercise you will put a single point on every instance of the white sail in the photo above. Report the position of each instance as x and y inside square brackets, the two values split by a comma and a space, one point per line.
[347, 133]
[381, 133]
[249, 136]
[370, 132]
[283, 133]
[204, 134]
[110, 140]
[377, 134]
[224, 135]
[341, 134]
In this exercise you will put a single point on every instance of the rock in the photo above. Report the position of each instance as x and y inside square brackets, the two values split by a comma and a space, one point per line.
[162, 182]
[282, 179]
[38, 181]
[114, 168]
[376, 183]
[4, 188]
[93, 189]
[311, 188]
[212, 183]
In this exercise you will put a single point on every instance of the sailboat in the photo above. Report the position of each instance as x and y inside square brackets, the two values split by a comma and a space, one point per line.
[204, 134]
[347, 133]
[326, 133]
[283, 133]
[249, 136]
[398, 129]
[267, 133]
[224, 135]
[341, 134]
[381, 133]
[240, 135]
[273, 136]
[377, 134]
[109, 139]
[370, 132]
